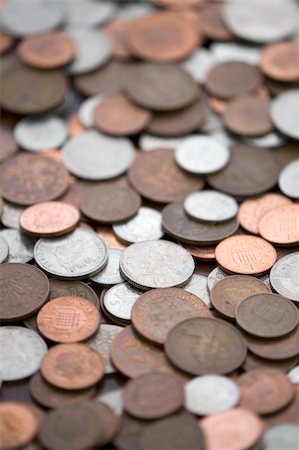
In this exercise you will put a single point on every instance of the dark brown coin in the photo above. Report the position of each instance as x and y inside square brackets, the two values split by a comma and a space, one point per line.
[286, 153]
[110, 203]
[202, 345]
[177, 224]
[156, 177]
[129, 434]
[250, 171]
[108, 421]
[30, 91]
[24, 289]
[267, 315]
[212, 24]
[28, 179]
[231, 79]
[255, 362]
[203, 253]
[229, 292]
[280, 61]
[65, 288]
[8, 144]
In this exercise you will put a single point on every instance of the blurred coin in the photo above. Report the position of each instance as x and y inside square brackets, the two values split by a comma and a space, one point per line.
[110, 274]
[149, 142]
[87, 109]
[293, 375]
[130, 429]
[107, 234]
[278, 61]
[285, 435]
[116, 30]
[3, 249]
[204, 253]
[20, 246]
[88, 14]
[8, 144]
[212, 24]
[284, 276]
[235, 51]
[198, 285]
[281, 226]
[284, 113]
[198, 64]
[113, 399]
[101, 342]
[288, 180]
[6, 42]
[210, 206]
[253, 362]
[144, 226]
[64, 288]
[119, 300]
[273, 139]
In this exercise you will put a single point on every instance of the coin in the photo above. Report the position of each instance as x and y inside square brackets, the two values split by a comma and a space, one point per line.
[107, 234]
[119, 300]
[288, 179]
[6, 42]
[110, 274]
[87, 109]
[203, 253]
[3, 249]
[210, 206]
[278, 61]
[101, 342]
[285, 435]
[280, 226]
[89, 14]
[198, 285]
[8, 143]
[64, 288]
[267, 315]
[284, 276]
[293, 375]
[255, 362]
[212, 24]
[113, 399]
[144, 226]
[283, 113]
[116, 30]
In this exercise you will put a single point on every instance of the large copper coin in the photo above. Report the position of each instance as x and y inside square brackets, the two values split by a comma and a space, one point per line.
[8, 143]
[28, 179]
[267, 315]
[24, 289]
[275, 349]
[281, 225]
[280, 61]
[157, 311]
[202, 345]
[156, 177]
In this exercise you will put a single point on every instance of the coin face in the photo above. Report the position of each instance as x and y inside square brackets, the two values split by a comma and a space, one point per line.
[288, 180]
[210, 206]
[119, 300]
[64, 288]
[283, 113]
[284, 276]
[280, 226]
[144, 226]
[278, 61]
[110, 274]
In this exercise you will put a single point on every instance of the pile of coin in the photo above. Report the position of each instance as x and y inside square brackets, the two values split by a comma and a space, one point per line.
[149, 237]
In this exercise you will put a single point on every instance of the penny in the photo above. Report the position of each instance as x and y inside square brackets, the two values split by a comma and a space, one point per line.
[210, 206]
[6, 42]
[284, 276]
[293, 375]
[21, 352]
[198, 285]
[87, 109]
[212, 24]
[210, 394]
[116, 30]
[72, 366]
[110, 274]
[288, 179]
[227, 353]
[110, 203]
[3, 249]
[265, 390]
[267, 315]
[228, 293]
[280, 226]
[278, 61]
[156, 177]
[144, 226]
[101, 342]
[8, 143]
[110, 238]
[203, 253]
[255, 362]
[283, 113]
[119, 300]
[285, 435]
[28, 179]
[130, 432]
[63, 288]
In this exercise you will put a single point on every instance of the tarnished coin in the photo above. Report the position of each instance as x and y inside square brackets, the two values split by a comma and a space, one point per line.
[110, 274]
[119, 300]
[278, 61]
[253, 362]
[21, 352]
[101, 342]
[284, 276]
[156, 264]
[284, 113]
[280, 226]
[8, 143]
[285, 435]
[288, 180]
[198, 285]
[210, 206]
[3, 249]
[64, 288]
[146, 225]
[77, 255]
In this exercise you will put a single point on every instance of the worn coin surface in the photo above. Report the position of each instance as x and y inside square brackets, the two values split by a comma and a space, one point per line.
[101, 342]
[110, 274]
[280, 225]
[288, 180]
[20, 246]
[210, 206]
[119, 300]
[284, 276]
[283, 113]
[3, 249]
[146, 225]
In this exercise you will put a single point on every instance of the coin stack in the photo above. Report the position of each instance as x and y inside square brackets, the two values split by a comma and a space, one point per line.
[149, 237]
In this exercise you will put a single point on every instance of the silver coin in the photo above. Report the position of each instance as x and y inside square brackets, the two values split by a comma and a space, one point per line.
[198, 285]
[230, 51]
[210, 206]
[94, 156]
[272, 140]
[284, 276]
[261, 21]
[288, 180]
[76, 255]
[284, 113]
[284, 436]
[119, 300]
[20, 246]
[64, 288]
[146, 225]
[149, 142]
[134, 10]
[93, 49]
[21, 352]
[222, 136]
[101, 343]
[110, 274]
[87, 109]
[199, 64]
[209, 394]
[293, 375]
[11, 215]
[218, 274]
[156, 264]
[88, 13]
[201, 155]
[38, 133]
[3, 249]
[113, 399]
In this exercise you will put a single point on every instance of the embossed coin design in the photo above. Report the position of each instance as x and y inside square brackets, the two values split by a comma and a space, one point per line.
[284, 276]
[280, 226]
[65, 288]
[119, 300]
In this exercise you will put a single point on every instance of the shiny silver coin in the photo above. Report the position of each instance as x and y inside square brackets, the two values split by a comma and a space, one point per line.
[38, 133]
[210, 206]
[101, 343]
[230, 51]
[76, 255]
[288, 180]
[11, 215]
[119, 300]
[284, 276]
[284, 113]
[20, 246]
[21, 352]
[284, 436]
[209, 394]
[201, 155]
[145, 226]
[87, 109]
[156, 264]
[114, 399]
[3, 249]
[94, 156]
[149, 142]
[110, 274]
[199, 64]
[293, 375]
[198, 285]
[88, 13]
[272, 140]
[64, 288]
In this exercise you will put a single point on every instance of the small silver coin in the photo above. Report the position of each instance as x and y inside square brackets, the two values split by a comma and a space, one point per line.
[293, 375]
[284, 113]
[156, 264]
[88, 14]
[149, 142]
[284, 436]
[87, 109]
[21, 352]
[198, 285]
[101, 342]
[114, 399]
[20, 246]
[230, 51]
[199, 64]
[38, 133]
[210, 206]
[288, 180]
[94, 156]
[76, 255]
[65, 288]
[110, 274]
[11, 215]
[119, 300]
[272, 140]
[146, 225]
[201, 155]
[209, 394]
[284, 276]
[3, 249]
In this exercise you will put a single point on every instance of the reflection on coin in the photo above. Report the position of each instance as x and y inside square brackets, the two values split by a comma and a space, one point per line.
[20, 246]
[284, 113]
[198, 285]
[119, 300]
[144, 226]
[284, 276]
[285, 435]
[210, 206]
[101, 342]
[3, 249]
[110, 274]
[288, 180]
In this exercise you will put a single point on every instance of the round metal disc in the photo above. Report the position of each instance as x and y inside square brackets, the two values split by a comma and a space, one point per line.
[210, 206]
[288, 180]
[284, 113]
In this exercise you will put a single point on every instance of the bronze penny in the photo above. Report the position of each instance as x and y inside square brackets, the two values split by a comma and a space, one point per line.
[28, 179]
[203, 253]
[204, 345]
[156, 177]
[24, 289]
[229, 292]
[130, 431]
[212, 24]
[48, 50]
[8, 144]
[110, 203]
[267, 315]
[72, 366]
[281, 225]
[6, 43]
[65, 288]
[255, 362]
[280, 61]
[153, 395]
[118, 116]
[275, 349]
[107, 419]
[157, 311]
[265, 390]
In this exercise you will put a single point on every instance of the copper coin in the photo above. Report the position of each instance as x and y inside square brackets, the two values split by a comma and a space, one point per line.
[236, 429]
[107, 419]
[110, 203]
[66, 288]
[110, 238]
[267, 315]
[72, 366]
[288, 414]
[281, 225]
[212, 24]
[255, 362]
[74, 126]
[48, 50]
[24, 289]
[228, 293]
[6, 42]
[8, 143]
[201, 253]
[130, 431]
[117, 30]
[118, 116]
[161, 37]
[28, 179]
[18, 425]
[265, 390]
[68, 319]
[233, 78]
[250, 171]
[156, 177]
[252, 210]
[157, 311]
[280, 61]
[49, 219]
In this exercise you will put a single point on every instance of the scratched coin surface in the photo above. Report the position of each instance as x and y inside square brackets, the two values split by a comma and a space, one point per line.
[110, 274]
[284, 276]
[280, 225]
[3, 249]
[144, 226]
[119, 300]
[288, 180]
[101, 342]
[210, 206]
